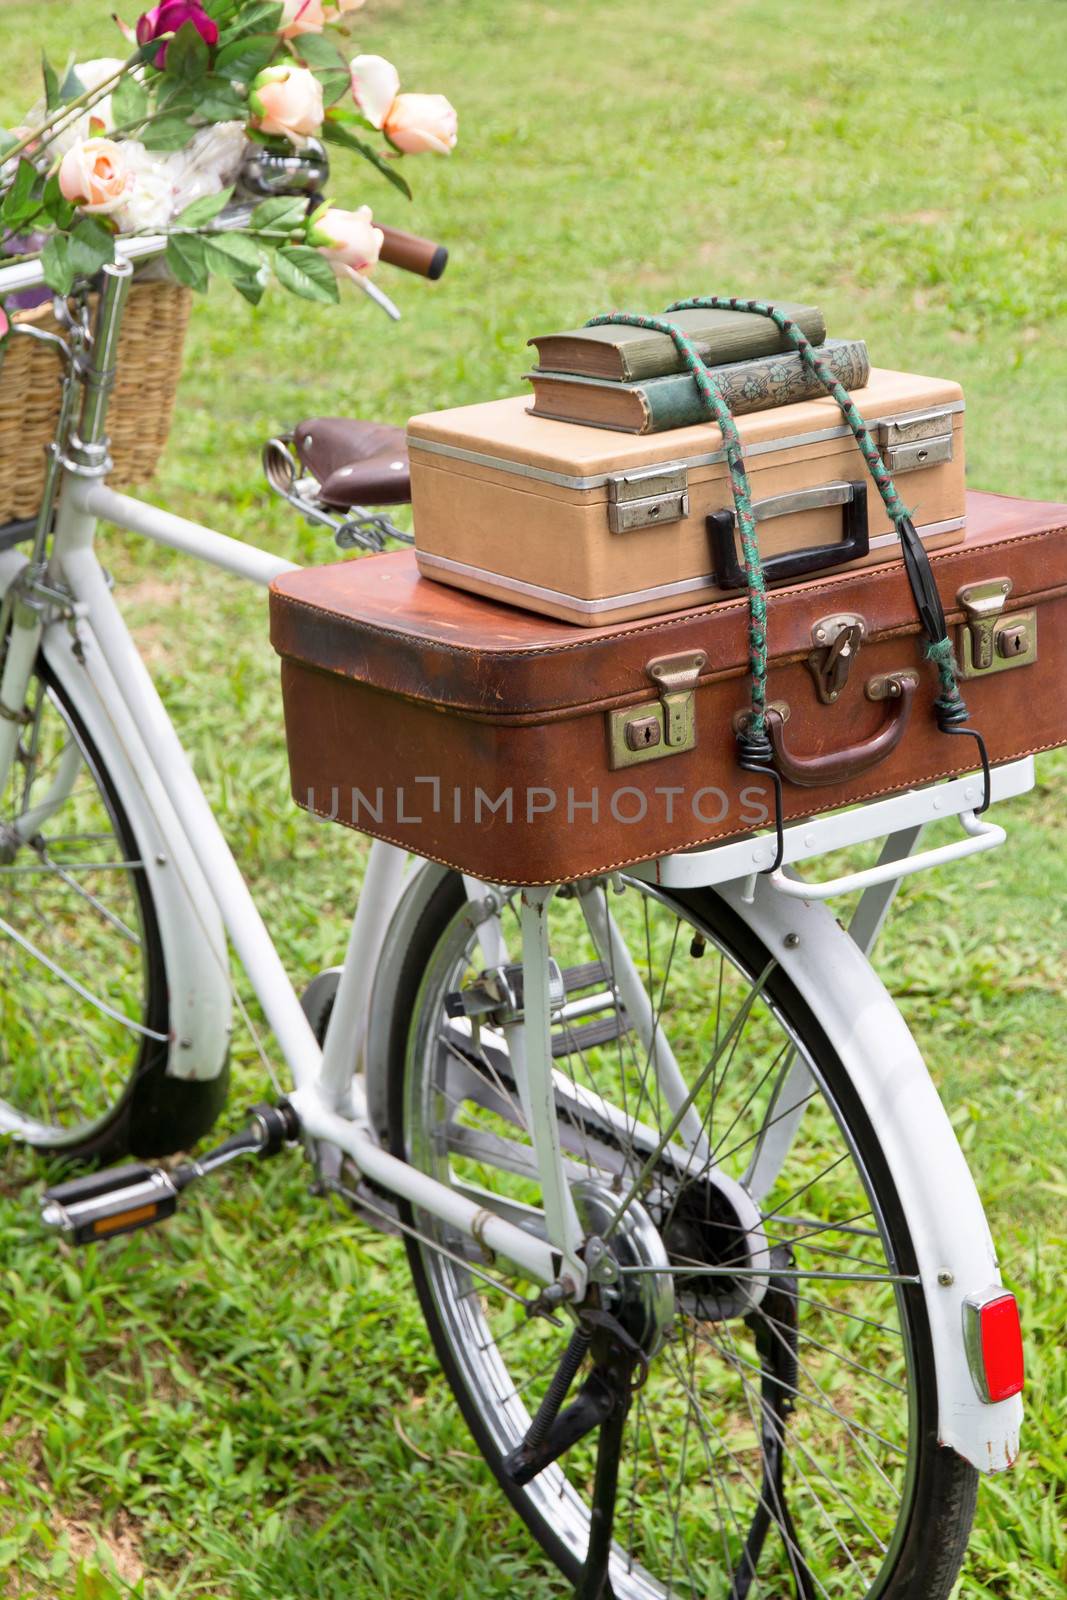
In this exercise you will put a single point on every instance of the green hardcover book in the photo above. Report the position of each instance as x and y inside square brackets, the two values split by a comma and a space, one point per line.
[626, 355]
[674, 401]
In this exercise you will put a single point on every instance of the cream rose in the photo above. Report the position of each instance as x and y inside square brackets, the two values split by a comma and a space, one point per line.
[419, 122]
[287, 101]
[341, 8]
[348, 239]
[94, 177]
[301, 16]
[375, 85]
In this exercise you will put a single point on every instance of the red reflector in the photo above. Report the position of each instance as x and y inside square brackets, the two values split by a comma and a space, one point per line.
[1001, 1340]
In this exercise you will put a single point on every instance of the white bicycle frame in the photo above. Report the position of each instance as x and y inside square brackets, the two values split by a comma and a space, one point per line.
[72, 618]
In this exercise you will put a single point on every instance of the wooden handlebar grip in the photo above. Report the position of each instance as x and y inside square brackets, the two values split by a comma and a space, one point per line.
[413, 254]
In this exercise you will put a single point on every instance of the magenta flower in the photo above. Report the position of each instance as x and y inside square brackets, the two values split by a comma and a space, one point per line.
[168, 17]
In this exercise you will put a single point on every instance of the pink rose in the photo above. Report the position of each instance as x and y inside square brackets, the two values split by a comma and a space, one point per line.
[348, 239]
[375, 84]
[301, 16]
[166, 19]
[93, 176]
[4, 322]
[287, 101]
[418, 122]
[22, 135]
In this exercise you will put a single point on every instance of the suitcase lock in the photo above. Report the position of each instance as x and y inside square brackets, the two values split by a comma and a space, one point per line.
[991, 641]
[645, 733]
[837, 641]
[648, 497]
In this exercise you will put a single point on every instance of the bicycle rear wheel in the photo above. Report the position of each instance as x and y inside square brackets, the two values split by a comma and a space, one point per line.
[84, 1013]
[785, 1440]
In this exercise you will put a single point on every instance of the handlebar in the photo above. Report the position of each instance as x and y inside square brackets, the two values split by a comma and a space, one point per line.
[407, 251]
[412, 253]
[30, 274]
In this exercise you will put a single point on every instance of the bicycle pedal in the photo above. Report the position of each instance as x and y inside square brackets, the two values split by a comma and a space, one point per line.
[106, 1204]
[124, 1199]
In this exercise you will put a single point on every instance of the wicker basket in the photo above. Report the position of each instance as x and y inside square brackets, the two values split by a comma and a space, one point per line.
[142, 402]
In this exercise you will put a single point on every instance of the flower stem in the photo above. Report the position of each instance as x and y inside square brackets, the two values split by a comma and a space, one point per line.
[49, 129]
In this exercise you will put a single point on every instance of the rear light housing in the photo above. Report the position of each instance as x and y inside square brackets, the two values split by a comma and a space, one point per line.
[992, 1335]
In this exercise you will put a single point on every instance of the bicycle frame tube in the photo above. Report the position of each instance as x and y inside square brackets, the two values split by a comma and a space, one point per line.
[23, 642]
[191, 826]
[75, 562]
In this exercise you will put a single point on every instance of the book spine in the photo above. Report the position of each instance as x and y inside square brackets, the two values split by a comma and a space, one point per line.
[738, 337]
[779, 380]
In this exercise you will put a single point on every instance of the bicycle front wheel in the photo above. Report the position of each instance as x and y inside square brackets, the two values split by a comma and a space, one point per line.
[785, 1439]
[84, 1014]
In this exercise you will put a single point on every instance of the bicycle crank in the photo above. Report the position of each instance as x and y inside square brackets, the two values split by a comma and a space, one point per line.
[119, 1200]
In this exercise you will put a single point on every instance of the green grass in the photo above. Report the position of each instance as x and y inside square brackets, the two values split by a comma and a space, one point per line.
[240, 1406]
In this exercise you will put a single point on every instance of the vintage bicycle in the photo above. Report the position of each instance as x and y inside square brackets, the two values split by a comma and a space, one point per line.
[694, 1239]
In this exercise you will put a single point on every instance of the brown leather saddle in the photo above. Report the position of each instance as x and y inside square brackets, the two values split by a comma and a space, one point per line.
[355, 463]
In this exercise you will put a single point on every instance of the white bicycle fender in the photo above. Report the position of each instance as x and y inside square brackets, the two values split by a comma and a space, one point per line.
[190, 928]
[949, 1231]
[410, 907]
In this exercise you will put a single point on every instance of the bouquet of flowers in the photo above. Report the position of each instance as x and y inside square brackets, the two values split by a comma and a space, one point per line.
[182, 129]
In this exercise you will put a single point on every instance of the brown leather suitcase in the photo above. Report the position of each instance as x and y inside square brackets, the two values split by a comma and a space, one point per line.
[596, 526]
[525, 751]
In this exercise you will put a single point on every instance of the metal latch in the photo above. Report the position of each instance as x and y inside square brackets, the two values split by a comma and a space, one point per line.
[914, 425]
[991, 639]
[918, 453]
[646, 732]
[918, 439]
[837, 640]
[647, 497]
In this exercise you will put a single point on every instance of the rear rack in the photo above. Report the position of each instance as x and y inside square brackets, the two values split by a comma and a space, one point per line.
[899, 819]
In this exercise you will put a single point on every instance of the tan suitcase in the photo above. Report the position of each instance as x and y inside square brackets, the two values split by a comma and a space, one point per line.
[597, 527]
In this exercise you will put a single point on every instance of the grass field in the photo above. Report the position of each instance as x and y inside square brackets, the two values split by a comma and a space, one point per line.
[245, 1405]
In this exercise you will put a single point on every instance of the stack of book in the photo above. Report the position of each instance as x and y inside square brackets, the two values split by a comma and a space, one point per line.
[634, 381]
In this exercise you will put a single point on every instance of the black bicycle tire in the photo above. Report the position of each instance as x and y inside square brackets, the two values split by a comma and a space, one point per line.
[156, 1114]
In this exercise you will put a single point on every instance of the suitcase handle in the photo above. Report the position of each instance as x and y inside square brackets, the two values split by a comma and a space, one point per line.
[841, 766]
[855, 542]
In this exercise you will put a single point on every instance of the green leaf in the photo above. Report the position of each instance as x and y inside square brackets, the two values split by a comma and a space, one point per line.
[335, 134]
[51, 84]
[235, 255]
[304, 272]
[92, 246]
[176, 97]
[252, 289]
[263, 16]
[18, 201]
[59, 210]
[282, 211]
[71, 87]
[246, 57]
[169, 133]
[187, 55]
[326, 62]
[316, 50]
[202, 210]
[187, 259]
[350, 114]
[129, 102]
[218, 102]
[55, 260]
